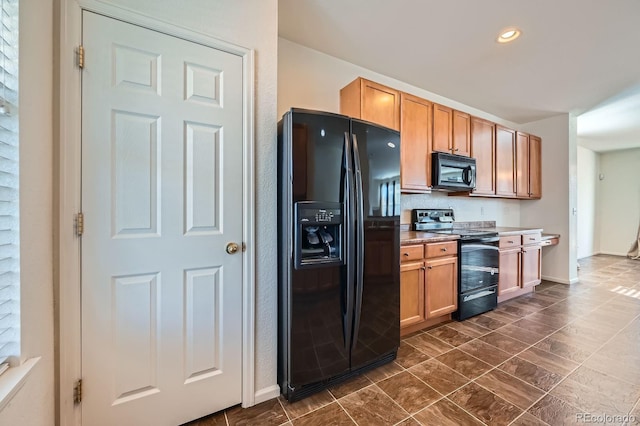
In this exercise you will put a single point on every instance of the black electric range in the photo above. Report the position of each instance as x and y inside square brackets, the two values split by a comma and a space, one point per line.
[478, 260]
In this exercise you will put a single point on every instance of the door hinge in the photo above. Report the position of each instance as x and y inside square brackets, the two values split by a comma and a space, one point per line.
[79, 224]
[80, 56]
[77, 392]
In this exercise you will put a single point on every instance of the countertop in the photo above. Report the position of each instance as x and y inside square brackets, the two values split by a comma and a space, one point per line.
[510, 230]
[420, 237]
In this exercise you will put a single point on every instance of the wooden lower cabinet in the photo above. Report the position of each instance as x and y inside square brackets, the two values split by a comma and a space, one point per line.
[520, 264]
[509, 276]
[412, 293]
[441, 280]
[428, 285]
[531, 265]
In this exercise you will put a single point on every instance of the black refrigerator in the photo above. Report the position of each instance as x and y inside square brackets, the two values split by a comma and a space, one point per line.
[338, 249]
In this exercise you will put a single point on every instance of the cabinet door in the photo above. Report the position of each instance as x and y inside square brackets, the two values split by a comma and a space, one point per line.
[531, 265]
[411, 293]
[522, 165]
[509, 275]
[441, 286]
[505, 161]
[461, 133]
[442, 121]
[380, 104]
[483, 149]
[415, 143]
[535, 166]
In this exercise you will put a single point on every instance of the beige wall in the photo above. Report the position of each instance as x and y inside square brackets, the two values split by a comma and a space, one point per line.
[34, 403]
[588, 236]
[311, 79]
[554, 212]
[251, 24]
[619, 200]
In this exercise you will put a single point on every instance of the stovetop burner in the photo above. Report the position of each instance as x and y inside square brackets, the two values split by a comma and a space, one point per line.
[441, 221]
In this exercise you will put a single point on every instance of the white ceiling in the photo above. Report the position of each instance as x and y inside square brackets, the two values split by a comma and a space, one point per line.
[572, 55]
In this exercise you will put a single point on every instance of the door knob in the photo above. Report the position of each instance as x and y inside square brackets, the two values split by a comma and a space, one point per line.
[232, 248]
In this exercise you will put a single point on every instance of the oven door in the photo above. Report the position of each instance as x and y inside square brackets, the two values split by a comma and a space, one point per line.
[479, 262]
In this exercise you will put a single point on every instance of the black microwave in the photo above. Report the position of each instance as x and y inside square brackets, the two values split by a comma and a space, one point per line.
[452, 172]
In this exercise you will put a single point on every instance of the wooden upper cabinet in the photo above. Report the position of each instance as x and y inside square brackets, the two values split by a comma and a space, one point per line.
[442, 124]
[461, 137]
[372, 102]
[528, 166]
[508, 163]
[483, 149]
[522, 165]
[535, 167]
[415, 143]
[505, 161]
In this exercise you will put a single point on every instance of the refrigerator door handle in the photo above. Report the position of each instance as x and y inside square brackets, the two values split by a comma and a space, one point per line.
[359, 206]
[348, 191]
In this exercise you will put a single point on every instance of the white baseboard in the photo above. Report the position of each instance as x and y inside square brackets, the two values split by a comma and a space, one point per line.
[267, 393]
[560, 280]
[610, 253]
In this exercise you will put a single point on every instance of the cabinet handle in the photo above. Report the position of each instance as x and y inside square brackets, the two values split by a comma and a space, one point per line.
[423, 268]
[510, 241]
[531, 239]
[443, 249]
[457, 149]
[405, 254]
[429, 267]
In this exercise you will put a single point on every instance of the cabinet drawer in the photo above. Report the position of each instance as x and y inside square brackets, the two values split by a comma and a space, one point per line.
[531, 238]
[411, 252]
[449, 248]
[510, 241]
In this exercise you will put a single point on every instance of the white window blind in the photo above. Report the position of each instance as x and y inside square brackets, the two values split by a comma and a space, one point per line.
[9, 208]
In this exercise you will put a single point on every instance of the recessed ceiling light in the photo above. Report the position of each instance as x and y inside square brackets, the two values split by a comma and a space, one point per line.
[509, 34]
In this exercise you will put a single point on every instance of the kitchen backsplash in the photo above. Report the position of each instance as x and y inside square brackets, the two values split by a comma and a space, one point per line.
[503, 212]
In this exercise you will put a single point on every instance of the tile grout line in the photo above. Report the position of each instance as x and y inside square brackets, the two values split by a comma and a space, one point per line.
[561, 299]
[583, 362]
[283, 409]
[291, 419]
[446, 396]
[515, 355]
[345, 410]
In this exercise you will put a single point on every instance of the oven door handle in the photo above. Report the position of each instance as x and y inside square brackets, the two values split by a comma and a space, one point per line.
[478, 295]
[465, 247]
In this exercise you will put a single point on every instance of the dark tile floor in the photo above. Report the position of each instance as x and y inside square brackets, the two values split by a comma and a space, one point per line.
[553, 357]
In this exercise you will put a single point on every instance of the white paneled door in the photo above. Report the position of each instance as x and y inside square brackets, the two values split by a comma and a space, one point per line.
[162, 198]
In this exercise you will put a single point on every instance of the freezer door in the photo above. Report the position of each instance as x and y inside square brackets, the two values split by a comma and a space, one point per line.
[315, 306]
[377, 310]
[317, 142]
[317, 346]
